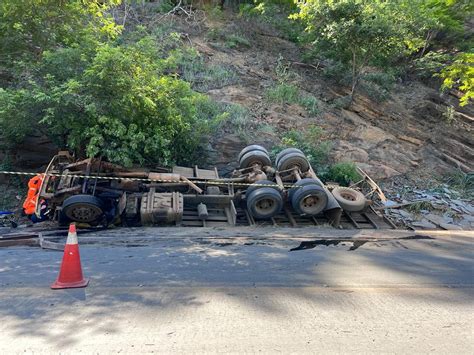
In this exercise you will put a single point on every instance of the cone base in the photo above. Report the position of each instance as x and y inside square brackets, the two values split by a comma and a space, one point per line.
[57, 285]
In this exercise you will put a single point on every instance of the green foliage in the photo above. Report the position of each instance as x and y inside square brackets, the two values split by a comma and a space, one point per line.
[377, 85]
[116, 102]
[275, 14]
[290, 94]
[462, 182]
[15, 120]
[357, 34]
[285, 93]
[214, 12]
[446, 16]
[344, 173]
[316, 148]
[282, 94]
[449, 114]
[240, 121]
[460, 74]
[431, 63]
[342, 102]
[28, 28]
[231, 40]
[166, 6]
[310, 142]
[235, 41]
[202, 77]
[310, 104]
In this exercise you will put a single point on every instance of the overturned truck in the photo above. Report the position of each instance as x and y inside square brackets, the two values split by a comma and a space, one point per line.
[286, 193]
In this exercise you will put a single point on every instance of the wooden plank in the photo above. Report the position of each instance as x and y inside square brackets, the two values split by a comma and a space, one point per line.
[290, 216]
[352, 220]
[19, 242]
[46, 244]
[19, 235]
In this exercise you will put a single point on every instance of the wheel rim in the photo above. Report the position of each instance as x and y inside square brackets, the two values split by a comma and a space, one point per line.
[265, 206]
[348, 196]
[251, 158]
[310, 204]
[83, 212]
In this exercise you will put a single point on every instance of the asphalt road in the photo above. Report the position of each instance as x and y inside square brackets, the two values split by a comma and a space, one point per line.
[235, 295]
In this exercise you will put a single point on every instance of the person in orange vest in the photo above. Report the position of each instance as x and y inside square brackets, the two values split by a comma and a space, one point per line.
[29, 206]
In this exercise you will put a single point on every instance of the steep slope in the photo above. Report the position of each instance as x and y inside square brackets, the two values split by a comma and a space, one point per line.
[408, 134]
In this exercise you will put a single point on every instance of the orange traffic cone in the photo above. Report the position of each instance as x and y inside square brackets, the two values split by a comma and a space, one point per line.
[70, 274]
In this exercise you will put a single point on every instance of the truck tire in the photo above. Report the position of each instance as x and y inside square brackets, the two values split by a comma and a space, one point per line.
[82, 209]
[349, 199]
[250, 148]
[264, 203]
[291, 160]
[303, 182]
[254, 157]
[309, 200]
[285, 152]
[260, 184]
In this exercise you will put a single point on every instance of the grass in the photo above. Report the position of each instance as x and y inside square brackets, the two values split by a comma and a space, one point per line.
[310, 142]
[236, 118]
[235, 41]
[240, 121]
[462, 182]
[417, 207]
[202, 76]
[232, 40]
[284, 93]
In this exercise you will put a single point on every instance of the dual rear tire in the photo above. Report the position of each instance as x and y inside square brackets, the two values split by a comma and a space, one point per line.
[291, 158]
[264, 199]
[252, 155]
[308, 197]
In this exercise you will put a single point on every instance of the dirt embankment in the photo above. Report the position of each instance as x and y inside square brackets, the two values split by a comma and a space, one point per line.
[406, 135]
[409, 134]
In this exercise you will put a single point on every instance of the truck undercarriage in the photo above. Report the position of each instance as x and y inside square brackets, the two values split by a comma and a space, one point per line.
[287, 193]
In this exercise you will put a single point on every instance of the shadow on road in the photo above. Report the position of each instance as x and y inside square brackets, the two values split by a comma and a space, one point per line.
[179, 275]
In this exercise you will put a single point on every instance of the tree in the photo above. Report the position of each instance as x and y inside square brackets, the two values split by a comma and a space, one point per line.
[460, 74]
[28, 28]
[111, 101]
[357, 33]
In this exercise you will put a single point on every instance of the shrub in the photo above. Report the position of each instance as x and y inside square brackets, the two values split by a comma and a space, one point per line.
[282, 93]
[343, 173]
[310, 103]
[460, 74]
[232, 40]
[290, 94]
[235, 41]
[358, 34]
[377, 85]
[116, 102]
[275, 14]
[202, 77]
[310, 143]
[461, 181]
